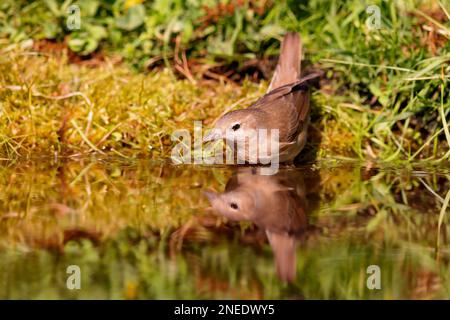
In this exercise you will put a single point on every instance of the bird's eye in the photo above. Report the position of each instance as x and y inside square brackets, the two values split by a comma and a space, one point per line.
[234, 206]
[236, 127]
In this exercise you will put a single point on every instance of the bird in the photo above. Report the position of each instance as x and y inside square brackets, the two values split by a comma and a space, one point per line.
[277, 203]
[285, 107]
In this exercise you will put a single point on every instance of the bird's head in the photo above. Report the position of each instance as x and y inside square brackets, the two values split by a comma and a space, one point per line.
[234, 125]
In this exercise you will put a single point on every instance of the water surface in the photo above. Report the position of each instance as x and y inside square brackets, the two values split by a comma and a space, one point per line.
[152, 230]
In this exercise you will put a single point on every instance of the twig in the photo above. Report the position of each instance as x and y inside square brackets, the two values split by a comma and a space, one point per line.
[80, 132]
[367, 65]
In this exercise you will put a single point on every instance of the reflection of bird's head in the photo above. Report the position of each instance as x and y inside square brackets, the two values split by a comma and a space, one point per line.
[233, 125]
[263, 199]
[235, 205]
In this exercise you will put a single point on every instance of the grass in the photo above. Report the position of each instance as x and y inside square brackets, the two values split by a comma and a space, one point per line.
[50, 108]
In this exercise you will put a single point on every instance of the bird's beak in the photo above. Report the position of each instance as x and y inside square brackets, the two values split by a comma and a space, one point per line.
[213, 135]
[211, 195]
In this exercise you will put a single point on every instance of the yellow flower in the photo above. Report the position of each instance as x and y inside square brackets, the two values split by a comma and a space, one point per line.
[132, 3]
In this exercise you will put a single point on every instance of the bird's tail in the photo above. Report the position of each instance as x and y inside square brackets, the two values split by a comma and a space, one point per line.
[288, 67]
[284, 250]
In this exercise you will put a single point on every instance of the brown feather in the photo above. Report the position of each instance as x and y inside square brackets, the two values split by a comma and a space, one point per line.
[288, 67]
[286, 108]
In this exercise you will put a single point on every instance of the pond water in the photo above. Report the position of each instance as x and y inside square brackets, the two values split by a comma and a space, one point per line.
[152, 230]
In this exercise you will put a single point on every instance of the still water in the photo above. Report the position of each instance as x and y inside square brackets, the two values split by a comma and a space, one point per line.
[152, 230]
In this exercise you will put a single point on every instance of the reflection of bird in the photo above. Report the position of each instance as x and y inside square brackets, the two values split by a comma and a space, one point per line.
[285, 107]
[276, 203]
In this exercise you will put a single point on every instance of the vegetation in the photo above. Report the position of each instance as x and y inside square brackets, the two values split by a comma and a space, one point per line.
[384, 95]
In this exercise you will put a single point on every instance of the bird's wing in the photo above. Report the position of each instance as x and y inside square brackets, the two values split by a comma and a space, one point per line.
[286, 109]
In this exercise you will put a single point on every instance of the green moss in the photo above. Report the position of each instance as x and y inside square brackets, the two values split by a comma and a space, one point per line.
[384, 95]
[50, 107]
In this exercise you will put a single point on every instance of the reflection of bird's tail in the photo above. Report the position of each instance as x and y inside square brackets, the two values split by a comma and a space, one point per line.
[284, 250]
[288, 67]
